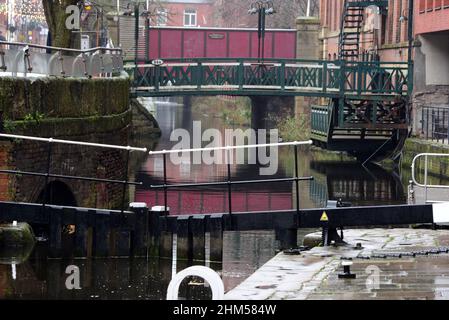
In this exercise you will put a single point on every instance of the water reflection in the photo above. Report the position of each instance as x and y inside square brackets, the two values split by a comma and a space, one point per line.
[333, 179]
[352, 182]
[40, 278]
[135, 279]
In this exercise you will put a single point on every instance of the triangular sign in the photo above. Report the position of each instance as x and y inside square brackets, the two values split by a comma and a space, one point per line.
[324, 217]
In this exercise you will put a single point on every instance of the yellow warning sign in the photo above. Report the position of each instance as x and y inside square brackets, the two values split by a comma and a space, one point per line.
[324, 217]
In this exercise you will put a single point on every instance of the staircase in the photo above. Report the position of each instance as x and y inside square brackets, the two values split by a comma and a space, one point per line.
[351, 27]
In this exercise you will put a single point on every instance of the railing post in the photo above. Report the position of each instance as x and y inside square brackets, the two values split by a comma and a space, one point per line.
[282, 75]
[324, 77]
[360, 72]
[199, 75]
[47, 177]
[165, 186]
[228, 152]
[157, 78]
[296, 180]
[125, 179]
[425, 177]
[241, 74]
[341, 104]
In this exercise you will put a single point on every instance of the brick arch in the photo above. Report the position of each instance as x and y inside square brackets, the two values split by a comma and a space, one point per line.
[58, 193]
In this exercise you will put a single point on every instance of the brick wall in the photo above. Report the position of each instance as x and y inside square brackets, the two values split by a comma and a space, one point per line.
[81, 110]
[431, 16]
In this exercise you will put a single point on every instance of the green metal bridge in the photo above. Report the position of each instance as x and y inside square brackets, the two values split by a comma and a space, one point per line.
[367, 109]
[250, 77]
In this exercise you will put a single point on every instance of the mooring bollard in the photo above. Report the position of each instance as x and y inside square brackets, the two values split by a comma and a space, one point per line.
[347, 270]
[288, 238]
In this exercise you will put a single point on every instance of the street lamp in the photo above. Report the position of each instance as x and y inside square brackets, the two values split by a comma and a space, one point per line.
[262, 8]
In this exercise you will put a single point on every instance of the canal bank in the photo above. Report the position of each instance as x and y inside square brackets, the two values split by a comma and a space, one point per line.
[391, 264]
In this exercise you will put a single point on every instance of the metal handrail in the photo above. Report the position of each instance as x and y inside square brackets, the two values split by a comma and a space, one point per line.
[426, 155]
[229, 182]
[57, 61]
[48, 174]
[426, 186]
[38, 46]
[251, 146]
[78, 143]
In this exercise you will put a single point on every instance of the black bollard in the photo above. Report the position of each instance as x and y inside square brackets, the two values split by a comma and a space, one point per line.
[288, 238]
[140, 234]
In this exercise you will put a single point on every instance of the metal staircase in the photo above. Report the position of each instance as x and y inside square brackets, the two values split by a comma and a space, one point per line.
[351, 27]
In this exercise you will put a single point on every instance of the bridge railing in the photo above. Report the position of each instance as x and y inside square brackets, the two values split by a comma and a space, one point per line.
[313, 77]
[48, 174]
[22, 59]
[374, 77]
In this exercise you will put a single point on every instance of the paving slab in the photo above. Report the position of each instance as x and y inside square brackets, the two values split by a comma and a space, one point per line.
[380, 273]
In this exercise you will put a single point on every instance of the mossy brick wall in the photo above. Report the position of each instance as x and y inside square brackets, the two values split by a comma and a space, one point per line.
[95, 110]
[62, 98]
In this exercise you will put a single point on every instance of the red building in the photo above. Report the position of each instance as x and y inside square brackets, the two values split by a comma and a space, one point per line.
[186, 13]
[432, 52]
[385, 33]
[432, 16]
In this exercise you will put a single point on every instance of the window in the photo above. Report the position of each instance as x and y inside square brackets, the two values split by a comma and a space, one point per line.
[190, 18]
[162, 17]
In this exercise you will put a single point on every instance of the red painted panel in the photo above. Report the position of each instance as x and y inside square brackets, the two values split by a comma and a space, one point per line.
[239, 44]
[154, 44]
[255, 44]
[216, 44]
[285, 45]
[170, 44]
[193, 44]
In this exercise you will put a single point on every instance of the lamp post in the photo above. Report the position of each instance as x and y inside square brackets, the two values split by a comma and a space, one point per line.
[262, 8]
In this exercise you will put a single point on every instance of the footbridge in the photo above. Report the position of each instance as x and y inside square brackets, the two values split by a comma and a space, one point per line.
[251, 77]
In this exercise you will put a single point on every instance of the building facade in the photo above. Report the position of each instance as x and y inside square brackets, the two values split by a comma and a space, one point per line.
[384, 35]
[185, 13]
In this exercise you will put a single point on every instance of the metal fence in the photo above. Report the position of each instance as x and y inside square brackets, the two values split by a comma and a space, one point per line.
[435, 124]
[22, 59]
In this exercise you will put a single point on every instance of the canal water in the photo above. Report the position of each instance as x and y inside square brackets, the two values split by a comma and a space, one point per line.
[32, 276]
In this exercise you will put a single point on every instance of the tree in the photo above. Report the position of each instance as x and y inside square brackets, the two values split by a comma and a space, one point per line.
[234, 13]
[55, 14]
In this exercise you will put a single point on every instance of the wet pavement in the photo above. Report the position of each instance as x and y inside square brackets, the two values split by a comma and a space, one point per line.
[392, 264]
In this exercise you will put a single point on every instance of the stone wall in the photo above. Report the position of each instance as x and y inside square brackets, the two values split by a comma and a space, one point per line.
[88, 110]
